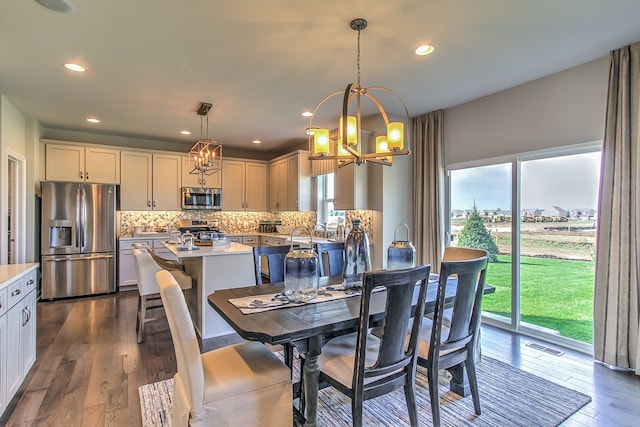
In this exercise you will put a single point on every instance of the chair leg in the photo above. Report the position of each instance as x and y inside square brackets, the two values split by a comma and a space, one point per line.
[432, 377]
[410, 396]
[138, 313]
[356, 410]
[142, 318]
[473, 382]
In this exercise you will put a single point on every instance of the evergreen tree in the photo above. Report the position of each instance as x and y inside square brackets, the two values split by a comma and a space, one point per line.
[474, 235]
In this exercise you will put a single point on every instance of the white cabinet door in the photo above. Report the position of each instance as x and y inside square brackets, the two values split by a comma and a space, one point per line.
[76, 163]
[255, 186]
[3, 356]
[135, 181]
[64, 163]
[278, 185]
[351, 187]
[290, 183]
[233, 176]
[102, 165]
[199, 180]
[28, 334]
[13, 362]
[166, 182]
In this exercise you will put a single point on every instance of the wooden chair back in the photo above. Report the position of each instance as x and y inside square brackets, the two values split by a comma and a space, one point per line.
[396, 357]
[331, 256]
[275, 260]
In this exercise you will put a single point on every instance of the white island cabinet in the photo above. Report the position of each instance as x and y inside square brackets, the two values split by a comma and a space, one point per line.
[17, 327]
[213, 268]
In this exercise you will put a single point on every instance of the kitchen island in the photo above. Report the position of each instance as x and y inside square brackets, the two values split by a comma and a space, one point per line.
[213, 268]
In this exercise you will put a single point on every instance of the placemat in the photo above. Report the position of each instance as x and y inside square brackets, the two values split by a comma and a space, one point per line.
[266, 302]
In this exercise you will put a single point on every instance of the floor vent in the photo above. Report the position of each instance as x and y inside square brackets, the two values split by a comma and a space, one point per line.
[545, 349]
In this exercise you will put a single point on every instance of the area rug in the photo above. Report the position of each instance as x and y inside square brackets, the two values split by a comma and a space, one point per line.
[508, 397]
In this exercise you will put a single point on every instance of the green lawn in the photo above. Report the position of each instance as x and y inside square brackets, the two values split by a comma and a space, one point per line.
[556, 294]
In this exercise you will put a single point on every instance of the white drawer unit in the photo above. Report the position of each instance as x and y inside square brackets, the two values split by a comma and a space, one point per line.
[17, 327]
[251, 240]
[126, 264]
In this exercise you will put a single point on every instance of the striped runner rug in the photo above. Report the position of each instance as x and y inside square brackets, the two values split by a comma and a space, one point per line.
[508, 397]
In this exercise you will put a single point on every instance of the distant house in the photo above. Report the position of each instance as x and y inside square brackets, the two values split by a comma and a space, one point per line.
[555, 211]
[583, 214]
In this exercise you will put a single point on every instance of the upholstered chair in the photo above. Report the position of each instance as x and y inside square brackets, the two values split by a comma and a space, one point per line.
[167, 264]
[240, 385]
[148, 292]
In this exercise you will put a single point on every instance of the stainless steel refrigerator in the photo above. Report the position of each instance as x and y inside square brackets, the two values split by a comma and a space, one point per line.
[78, 239]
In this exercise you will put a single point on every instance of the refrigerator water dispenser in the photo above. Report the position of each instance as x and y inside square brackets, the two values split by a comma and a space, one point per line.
[61, 234]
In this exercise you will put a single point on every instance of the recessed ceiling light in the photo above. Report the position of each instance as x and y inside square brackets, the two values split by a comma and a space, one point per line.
[256, 141]
[424, 49]
[185, 132]
[307, 114]
[57, 5]
[75, 67]
[93, 120]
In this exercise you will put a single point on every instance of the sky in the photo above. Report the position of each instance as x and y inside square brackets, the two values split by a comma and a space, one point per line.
[569, 182]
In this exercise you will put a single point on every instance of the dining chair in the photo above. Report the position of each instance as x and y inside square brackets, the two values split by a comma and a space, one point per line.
[148, 292]
[242, 384]
[331, 256]
[275, 256]
[447, 346]
[167, 264]
[363, 366]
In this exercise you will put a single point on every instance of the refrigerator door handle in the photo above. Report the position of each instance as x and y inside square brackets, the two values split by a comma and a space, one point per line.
[82, 218]
[84, 258]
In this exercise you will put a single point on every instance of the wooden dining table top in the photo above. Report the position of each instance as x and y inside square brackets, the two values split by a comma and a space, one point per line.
[298, 322]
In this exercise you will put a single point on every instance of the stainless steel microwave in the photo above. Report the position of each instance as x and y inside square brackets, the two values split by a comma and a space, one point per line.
[201, 198]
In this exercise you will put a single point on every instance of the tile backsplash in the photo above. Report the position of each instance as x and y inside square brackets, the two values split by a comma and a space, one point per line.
[229, 222]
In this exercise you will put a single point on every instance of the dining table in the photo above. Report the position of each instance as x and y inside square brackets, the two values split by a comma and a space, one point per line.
[307, 326]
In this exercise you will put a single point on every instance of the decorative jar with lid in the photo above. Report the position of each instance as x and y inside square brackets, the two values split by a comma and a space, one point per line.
[301, 271]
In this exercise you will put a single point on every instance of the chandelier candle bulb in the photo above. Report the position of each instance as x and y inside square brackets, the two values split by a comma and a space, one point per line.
[321, 142]
[395, 136]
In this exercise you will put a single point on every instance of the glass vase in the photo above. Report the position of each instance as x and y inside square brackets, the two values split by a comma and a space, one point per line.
[356, 257]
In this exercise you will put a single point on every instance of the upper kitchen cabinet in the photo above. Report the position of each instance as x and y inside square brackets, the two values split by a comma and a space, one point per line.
[244, 185]
[350, 190]
[199, 180]
[82, 163]
[290, 182]
[150, 181]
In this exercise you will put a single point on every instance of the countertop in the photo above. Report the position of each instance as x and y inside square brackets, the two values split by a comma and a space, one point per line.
[287, 237]
[231, 248]
[9, 272]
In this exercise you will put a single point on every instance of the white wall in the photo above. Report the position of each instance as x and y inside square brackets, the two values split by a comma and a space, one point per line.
[562, 109]
[12, 141]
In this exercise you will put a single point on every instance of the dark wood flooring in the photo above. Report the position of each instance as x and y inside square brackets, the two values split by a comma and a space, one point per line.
[89, 368]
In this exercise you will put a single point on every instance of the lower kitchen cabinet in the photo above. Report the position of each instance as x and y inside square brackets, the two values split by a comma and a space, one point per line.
[17, 327]
[126, 264]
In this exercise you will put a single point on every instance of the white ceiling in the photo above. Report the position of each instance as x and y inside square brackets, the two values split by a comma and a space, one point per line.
[261, 64]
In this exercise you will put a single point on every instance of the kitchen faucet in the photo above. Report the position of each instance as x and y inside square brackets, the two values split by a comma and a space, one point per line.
[323, 228]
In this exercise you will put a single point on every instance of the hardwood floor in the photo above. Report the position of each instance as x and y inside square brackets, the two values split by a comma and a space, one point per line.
[89, 368]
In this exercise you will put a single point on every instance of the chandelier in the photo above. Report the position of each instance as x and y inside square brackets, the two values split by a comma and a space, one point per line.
[206, 154]
[350, 149]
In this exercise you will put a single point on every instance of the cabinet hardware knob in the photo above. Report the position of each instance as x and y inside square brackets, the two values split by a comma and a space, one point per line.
[16, 292]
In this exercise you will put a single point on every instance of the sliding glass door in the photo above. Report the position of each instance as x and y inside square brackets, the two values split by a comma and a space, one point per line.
[540, 211]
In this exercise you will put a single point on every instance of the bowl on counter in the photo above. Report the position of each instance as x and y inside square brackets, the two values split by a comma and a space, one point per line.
[284, 229]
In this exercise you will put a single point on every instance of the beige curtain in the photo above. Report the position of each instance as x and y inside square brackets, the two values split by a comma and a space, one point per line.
[428, 187]
[617, 287]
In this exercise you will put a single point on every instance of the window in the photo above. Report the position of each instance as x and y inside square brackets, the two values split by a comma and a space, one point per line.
[541, 212]
[326, 197]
